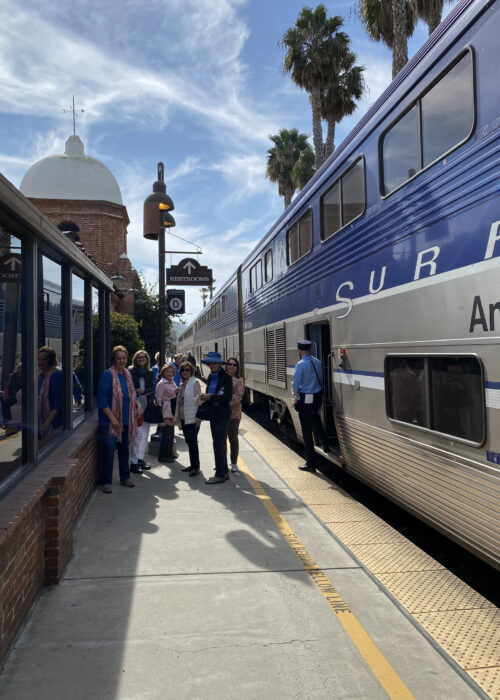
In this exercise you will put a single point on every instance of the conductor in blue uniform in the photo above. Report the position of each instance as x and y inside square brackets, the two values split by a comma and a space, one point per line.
[307, 387]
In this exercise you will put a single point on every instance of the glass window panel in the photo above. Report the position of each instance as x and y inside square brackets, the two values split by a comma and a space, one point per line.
[95, 338]
[305, 225]
[457, 397]
[353, 192]
[258, 268]
[11, 392]
[448, 111]
[330, 207]
[269, 265]
[400, 151]
[78, 346]
[407, 390]
[293, 244]
[50, 399]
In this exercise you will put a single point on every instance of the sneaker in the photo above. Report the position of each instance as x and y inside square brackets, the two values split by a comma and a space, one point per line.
[143, 464]
[107, 488]
[234, 468]
[128, 482]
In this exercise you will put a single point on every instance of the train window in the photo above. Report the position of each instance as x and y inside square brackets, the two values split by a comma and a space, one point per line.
[438, 121]
[353, 192]
[256, 276]
[223, 303]
[448, 111]
[400, 151]
[46, 301]
[407, 390]
[293, 244]
[442, 394]
[268, 265]
[457, 397]
[299, 238]
[330, 210]
[344, 201]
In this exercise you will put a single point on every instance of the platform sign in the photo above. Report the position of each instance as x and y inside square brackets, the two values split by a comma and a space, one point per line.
[189, 272]
[176, 303]
[10, 267]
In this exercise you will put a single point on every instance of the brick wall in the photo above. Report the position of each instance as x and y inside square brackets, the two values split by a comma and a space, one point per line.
[37, 519]
[103, 234]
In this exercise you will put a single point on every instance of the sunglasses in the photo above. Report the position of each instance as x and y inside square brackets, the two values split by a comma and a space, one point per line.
[186, 370]
[231, 364]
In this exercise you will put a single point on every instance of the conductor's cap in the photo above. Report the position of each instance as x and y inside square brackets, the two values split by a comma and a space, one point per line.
[304, 345]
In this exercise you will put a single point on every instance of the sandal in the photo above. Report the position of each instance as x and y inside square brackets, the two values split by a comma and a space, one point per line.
[215, 480]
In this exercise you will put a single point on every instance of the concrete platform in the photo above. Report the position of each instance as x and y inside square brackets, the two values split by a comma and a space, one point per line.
[181, 590]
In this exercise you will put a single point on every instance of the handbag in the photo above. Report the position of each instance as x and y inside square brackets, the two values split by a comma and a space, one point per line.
[153, 412]
[203, 411]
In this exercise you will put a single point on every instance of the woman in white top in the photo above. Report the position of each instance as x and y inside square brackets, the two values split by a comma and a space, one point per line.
[185, 414]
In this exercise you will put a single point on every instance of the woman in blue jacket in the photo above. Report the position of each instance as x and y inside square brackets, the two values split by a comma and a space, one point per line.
[118, 414]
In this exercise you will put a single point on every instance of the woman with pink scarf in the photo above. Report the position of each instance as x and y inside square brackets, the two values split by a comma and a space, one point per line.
[118, 414]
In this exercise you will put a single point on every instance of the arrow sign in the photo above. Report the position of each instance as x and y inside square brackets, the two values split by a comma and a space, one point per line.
[189, 272]
[13, 261]
[10, 267]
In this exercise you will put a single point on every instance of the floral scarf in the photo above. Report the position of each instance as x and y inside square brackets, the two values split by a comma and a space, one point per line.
[116, 406]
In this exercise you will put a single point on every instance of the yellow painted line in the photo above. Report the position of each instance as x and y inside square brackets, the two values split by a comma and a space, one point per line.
[379, 666]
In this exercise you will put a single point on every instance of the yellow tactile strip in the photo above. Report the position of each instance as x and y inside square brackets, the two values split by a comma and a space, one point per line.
[464, 623]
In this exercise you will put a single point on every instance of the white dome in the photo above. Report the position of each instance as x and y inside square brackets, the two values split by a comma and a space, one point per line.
[71, 175]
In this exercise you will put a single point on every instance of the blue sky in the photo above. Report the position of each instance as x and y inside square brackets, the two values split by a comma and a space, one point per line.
[197, 84]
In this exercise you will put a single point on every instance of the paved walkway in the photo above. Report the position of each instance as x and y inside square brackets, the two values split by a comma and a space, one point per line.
[182, 590]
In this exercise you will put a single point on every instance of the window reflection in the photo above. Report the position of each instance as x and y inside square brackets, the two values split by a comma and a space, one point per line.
[77, 318]
[353, 193]
[11, 392]
[50, 400]
[400, 156]
[331, 212]
[95, 339]
[448, 111]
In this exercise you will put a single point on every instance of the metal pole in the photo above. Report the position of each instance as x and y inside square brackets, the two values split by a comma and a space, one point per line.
[161, 293]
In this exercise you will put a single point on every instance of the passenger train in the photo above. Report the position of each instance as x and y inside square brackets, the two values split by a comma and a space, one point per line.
[388, 260]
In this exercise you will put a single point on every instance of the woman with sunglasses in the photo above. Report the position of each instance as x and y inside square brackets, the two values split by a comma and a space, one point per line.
[143, 379]
[233, 369]
[185, 415]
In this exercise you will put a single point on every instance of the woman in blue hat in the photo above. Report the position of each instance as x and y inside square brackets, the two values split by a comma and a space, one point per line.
[218, 396]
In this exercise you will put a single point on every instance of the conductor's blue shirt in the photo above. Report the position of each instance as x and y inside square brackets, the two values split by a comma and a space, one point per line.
[305, 378]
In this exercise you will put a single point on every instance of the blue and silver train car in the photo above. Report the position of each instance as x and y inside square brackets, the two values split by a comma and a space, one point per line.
[389, 262]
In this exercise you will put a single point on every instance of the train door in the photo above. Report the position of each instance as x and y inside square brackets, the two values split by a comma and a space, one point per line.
[319, 335]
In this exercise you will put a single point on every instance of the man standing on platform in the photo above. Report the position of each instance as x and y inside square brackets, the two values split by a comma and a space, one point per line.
[307, 389]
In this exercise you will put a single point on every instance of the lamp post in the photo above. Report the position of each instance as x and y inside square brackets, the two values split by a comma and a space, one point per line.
[156, 219]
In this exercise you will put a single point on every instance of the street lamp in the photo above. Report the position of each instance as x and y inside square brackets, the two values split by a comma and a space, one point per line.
[157, 218]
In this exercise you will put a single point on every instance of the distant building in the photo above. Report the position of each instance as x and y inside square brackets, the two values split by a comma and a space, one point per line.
[82, 197]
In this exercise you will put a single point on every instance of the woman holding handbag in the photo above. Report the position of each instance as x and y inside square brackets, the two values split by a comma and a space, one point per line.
[143, 380]
[166, 391]
[185, 414]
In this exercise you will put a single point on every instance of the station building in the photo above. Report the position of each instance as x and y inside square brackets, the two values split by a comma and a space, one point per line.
[52, 293]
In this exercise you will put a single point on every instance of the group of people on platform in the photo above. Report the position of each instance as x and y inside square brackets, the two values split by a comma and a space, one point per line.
[129, 398]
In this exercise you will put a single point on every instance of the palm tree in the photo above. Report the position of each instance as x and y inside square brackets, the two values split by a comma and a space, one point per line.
[303, 170]
[315, 47]
[392, 22]
[339, 100]
[428, 10]
[281, 159]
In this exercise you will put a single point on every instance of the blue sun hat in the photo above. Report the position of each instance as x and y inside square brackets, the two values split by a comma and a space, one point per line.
[213, 357]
